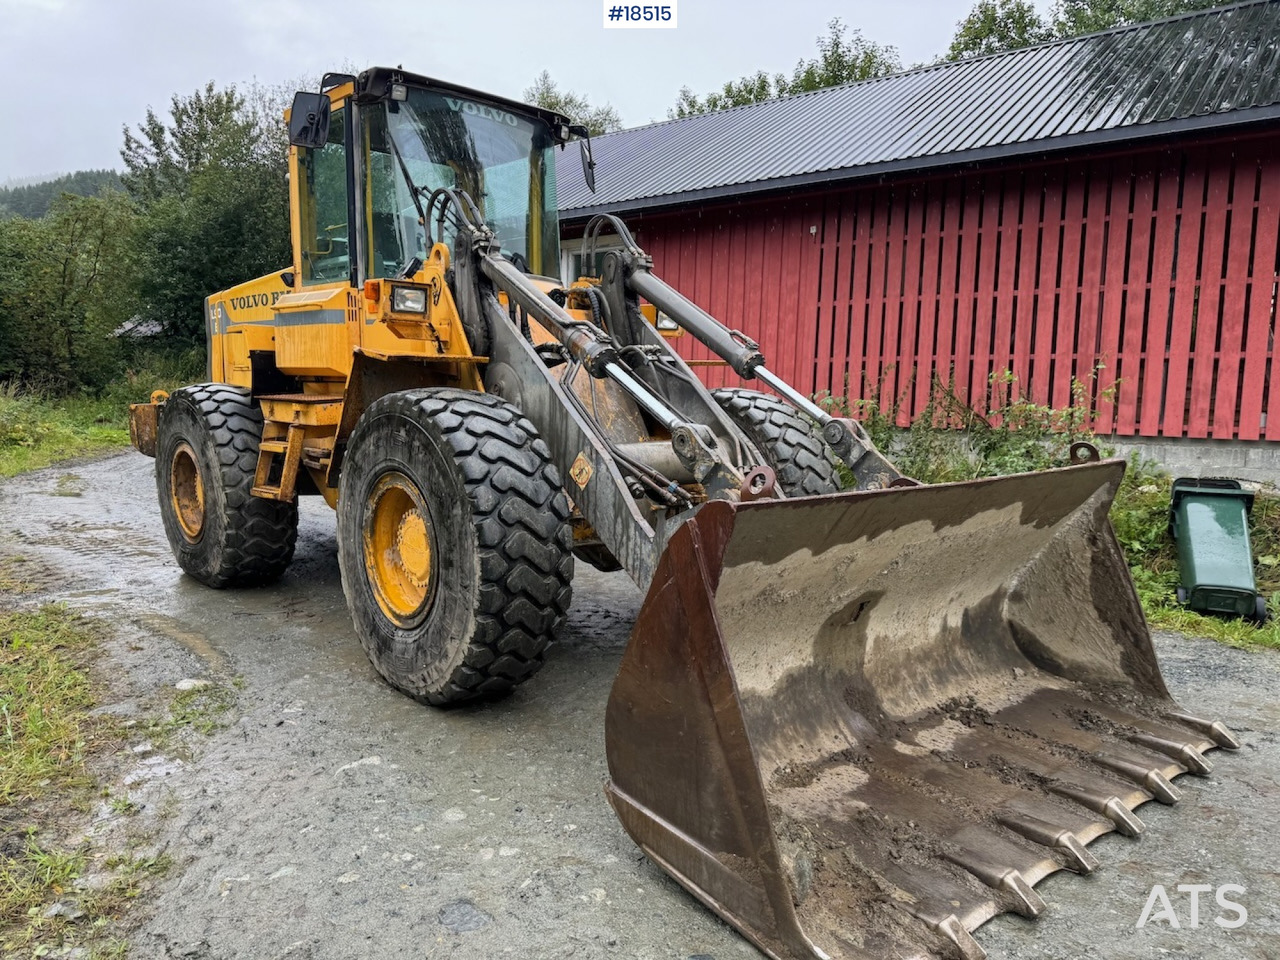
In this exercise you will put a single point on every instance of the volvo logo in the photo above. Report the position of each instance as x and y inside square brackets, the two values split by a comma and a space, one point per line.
[480, 110]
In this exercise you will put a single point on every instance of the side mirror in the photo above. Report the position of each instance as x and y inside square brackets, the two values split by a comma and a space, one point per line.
[309, 120]
[588, 164]
[584, 149]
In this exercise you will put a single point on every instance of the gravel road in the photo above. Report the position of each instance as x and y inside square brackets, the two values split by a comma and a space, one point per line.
[334, 819]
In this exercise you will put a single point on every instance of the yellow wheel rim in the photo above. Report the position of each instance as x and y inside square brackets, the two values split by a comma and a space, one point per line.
[186, 490]
[398, 547]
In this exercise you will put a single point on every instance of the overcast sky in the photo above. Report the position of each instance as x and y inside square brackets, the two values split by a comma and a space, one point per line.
[84, 68]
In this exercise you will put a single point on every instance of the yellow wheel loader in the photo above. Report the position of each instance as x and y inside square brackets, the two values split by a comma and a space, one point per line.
[853, 723]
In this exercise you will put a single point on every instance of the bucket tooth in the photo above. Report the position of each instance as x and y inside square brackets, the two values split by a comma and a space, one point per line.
[1111, 807]
[950, 903]
[1214, 730]
[1151, 780]
[1078, 857]
[953, 930]
[1185, 753]
[1125, 820]
[1025, 901]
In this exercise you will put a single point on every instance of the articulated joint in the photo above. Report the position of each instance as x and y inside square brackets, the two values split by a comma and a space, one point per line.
[847, 438]
[693, 443]
[853, 445]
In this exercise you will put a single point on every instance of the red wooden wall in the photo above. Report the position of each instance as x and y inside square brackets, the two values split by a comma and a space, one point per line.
[1158, 269]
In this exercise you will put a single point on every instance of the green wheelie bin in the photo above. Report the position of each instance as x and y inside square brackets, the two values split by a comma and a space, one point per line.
[1209, 522]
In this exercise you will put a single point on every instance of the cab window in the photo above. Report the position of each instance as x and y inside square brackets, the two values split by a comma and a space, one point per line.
[394, 229]
[326, 248]
[429, 140]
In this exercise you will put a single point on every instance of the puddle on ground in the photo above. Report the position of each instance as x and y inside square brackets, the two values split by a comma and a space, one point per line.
[153, 768]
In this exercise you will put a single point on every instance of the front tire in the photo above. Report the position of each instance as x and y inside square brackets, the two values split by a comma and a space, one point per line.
[206, 457]
[453, 542]
[792, 445]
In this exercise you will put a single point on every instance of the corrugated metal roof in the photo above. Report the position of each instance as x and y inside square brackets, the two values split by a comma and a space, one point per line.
[1216, 67]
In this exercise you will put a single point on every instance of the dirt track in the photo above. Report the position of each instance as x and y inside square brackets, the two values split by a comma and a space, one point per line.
[334, 819]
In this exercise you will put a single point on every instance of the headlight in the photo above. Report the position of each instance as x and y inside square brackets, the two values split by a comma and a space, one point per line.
[408, 300]
[665, 323]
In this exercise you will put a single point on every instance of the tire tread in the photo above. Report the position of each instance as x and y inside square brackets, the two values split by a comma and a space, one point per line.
[260, 534]
[520, 515]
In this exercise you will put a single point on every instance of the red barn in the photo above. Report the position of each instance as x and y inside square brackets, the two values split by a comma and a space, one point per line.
[1109, 203]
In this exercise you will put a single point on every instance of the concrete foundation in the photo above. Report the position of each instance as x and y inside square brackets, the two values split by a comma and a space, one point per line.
[1254, 460]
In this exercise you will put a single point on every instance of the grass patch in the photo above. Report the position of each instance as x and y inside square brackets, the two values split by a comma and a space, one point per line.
[43, 913]
[202, 710]
[55, 897]
[38, 429]
[46, 738]
[130, 880]
[45, 696]
[29, 879]
[36, 432]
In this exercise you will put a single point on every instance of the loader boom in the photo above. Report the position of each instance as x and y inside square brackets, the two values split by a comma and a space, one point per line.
[854, 722]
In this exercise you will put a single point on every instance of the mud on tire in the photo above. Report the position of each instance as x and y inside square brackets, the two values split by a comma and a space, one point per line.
[466, 608]
[206, 456]
[792, 445]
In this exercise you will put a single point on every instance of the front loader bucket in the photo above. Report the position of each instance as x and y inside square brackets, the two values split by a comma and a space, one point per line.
[862, 725]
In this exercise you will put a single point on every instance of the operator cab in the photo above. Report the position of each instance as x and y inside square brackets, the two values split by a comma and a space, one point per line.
[400, 136]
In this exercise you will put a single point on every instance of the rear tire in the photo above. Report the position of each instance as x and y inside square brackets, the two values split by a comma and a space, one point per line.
[206, 457]
[453, 542]
[792, 445]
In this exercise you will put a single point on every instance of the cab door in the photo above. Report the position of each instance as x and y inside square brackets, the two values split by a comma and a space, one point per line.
[314, 324]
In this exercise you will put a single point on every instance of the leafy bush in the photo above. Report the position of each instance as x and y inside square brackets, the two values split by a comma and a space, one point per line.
[20, 422]
[950, 440]
[154, 368]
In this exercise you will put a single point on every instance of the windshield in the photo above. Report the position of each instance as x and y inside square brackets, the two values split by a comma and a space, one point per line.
[503, 160]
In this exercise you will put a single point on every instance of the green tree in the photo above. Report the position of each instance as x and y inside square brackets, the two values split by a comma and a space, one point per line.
[210, 181]
[996, 25]
[844, 56]
[209, 128]
[61, 292]
[545, 93]
[735, 93]
[1074, 18]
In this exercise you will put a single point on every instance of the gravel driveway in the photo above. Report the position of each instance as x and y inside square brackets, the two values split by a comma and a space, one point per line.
[334, 819]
